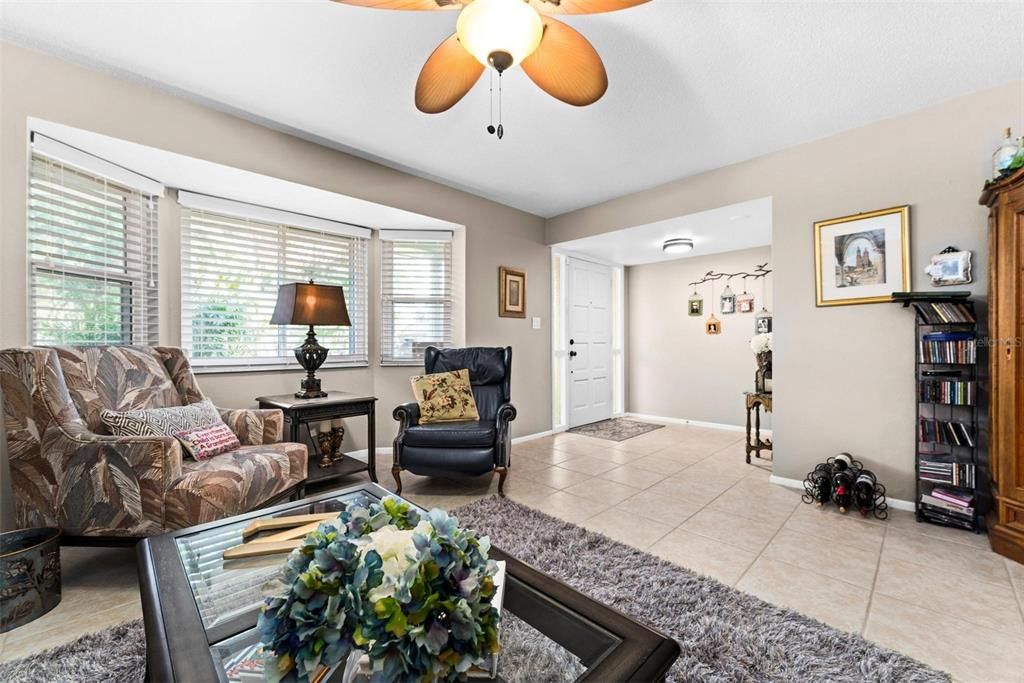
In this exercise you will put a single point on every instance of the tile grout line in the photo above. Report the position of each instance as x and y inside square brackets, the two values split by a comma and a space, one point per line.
[761, 552]
[1019, 594]
[874, 582]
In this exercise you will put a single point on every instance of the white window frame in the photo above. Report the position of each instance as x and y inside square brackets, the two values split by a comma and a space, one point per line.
[388, 298]
[287, 225]
[53, 163]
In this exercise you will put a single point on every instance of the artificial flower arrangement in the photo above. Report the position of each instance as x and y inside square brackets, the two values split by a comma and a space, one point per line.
[761, 343]
[413, 592]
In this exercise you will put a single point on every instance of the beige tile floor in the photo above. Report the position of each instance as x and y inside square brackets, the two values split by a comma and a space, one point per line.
[937, 594]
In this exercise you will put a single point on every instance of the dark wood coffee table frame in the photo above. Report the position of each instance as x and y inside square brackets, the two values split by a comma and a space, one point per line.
[613, 646]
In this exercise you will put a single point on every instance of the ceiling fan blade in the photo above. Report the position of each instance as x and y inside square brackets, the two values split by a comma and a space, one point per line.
[419, 5]
[447, 76]
[583, 6]
[566, 66]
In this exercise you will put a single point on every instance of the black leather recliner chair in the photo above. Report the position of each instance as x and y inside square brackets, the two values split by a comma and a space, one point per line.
[461, 449]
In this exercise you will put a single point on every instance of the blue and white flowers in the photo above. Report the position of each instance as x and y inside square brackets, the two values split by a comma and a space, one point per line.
[414, 593]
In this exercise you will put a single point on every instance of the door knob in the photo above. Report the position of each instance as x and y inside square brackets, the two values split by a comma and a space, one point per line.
[572, 354]
[571, 342]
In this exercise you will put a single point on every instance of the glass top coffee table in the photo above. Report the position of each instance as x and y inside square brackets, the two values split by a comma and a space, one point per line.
[200, 611]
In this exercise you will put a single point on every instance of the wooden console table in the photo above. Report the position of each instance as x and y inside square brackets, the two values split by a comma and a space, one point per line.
[756, 401]
[299, 412]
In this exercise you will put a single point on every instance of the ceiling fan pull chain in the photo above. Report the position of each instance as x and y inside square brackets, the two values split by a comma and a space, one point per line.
[501, 129]
[490, 102]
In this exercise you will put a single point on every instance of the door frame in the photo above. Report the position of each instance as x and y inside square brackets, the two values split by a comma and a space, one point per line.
[560, 339]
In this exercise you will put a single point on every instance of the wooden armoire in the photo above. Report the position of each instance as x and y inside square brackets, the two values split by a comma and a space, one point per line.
[1005, 200]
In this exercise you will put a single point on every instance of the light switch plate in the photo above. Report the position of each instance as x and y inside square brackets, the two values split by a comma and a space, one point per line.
[536, 323]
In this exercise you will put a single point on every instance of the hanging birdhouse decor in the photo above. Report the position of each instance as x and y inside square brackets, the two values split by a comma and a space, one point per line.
[696, 305]
[745, 301]
[728, 301]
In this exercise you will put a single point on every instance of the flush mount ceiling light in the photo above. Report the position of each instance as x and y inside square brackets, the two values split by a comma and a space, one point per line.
[503, 34]
[678, 245]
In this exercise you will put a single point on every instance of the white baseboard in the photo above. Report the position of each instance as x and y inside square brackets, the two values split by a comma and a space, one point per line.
[694, 423]
[894, 503]
[531, 437]
[361, 453]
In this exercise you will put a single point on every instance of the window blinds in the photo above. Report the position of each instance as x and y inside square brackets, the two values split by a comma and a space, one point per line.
[92, 258]
[231, 268]
[416, 295]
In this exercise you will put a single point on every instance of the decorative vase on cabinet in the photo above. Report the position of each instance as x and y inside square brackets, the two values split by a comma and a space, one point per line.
[1005, 199]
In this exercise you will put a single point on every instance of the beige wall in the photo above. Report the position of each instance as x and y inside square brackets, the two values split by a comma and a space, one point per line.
[43, 86]
[843, 376]
[674, 369]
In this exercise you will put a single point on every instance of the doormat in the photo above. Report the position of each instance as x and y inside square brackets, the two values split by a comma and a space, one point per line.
[615, 429]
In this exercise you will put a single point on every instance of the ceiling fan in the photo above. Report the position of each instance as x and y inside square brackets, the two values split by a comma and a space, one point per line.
[507, 33]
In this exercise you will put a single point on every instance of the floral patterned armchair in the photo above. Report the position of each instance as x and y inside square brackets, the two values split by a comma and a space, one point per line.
[68, 472]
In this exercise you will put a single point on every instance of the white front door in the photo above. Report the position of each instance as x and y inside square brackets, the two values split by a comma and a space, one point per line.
[590, 342]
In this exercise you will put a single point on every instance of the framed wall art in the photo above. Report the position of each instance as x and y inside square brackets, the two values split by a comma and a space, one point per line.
[950, 267]
[511, 293]
[863, 258]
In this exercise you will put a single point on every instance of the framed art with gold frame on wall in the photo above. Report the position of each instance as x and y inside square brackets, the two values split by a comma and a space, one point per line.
[863, 258]
[511, 293]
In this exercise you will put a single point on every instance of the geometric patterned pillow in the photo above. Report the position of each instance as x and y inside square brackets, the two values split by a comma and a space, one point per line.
[161, 421]
[205, 442]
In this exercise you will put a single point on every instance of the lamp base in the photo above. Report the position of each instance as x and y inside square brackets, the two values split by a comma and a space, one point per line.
[310, 356]
[310, 389]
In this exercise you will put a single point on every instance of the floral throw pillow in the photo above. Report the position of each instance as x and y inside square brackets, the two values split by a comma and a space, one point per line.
[444, 397]
[205, 442]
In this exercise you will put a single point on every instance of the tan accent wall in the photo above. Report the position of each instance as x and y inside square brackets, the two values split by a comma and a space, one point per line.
[674, 369]
[39, 85]
[844, 375]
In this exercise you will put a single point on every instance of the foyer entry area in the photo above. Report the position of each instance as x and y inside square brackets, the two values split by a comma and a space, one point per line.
[668, 322]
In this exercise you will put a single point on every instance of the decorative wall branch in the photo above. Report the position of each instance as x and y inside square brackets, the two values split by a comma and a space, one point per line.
[760, 271]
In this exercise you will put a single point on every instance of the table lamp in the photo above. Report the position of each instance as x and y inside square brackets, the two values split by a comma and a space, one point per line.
[299, 303]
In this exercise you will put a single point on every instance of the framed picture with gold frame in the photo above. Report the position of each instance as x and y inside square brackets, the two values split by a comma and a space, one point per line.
[863, 258]
[511, 293]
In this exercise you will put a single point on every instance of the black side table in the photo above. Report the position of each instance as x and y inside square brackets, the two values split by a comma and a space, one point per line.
[299, 412]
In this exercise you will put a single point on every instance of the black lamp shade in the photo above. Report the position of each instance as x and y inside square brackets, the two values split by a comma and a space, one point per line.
[300, 303]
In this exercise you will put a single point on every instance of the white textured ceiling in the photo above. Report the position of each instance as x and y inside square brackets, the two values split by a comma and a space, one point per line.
[727, 228]
[693, 85]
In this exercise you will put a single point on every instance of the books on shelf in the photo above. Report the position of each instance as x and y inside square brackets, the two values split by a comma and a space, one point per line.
[944, 432]
[942, 506]
[943, 312]
[946, 471]
[958, 393]
[948, 347]
[955, 497]
[940, 517]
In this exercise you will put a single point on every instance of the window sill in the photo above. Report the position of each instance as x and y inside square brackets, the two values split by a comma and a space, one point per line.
[277, 367]
[412, 363]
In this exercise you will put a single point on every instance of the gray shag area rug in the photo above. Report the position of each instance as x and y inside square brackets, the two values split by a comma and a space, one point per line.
[615, 429]
[725, 634]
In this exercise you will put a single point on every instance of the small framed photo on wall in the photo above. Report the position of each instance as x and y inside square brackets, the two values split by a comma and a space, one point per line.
[863, 258]
[511, 293]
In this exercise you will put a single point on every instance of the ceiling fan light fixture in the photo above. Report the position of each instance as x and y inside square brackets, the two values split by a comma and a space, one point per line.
[677, 245]
[499, 33]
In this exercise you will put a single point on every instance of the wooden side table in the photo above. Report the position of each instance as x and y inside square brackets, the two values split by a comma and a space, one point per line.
[299, 412]
[755, 401]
